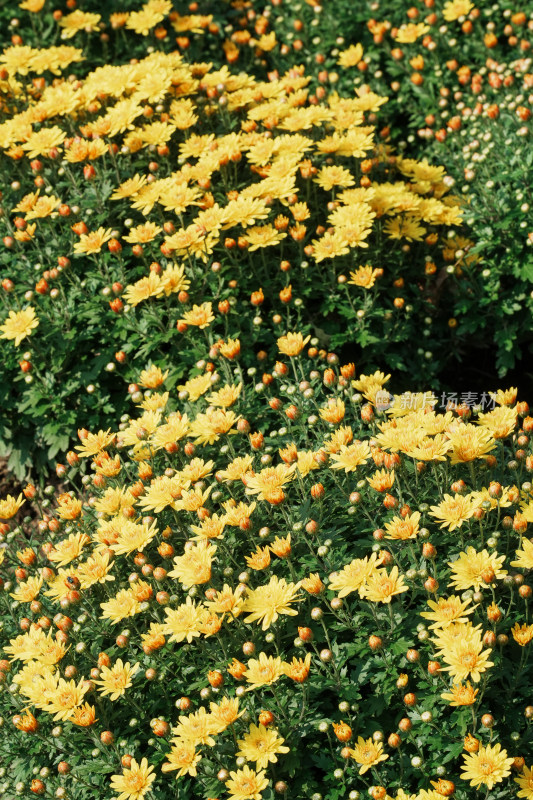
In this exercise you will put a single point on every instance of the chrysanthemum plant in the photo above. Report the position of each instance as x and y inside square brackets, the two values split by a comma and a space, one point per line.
[167, 193]
[307, 587]
[458, 75]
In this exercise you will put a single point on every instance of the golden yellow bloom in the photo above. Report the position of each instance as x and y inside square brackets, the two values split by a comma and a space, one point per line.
[134, 782]
[475, 570]
[261, 745]
[292, 344]
[226, 396]
[192, 499]
[237, 512]
[84, 716]
[69, 549]
[454, 9]
[65, 698]
[432, 448]
[505, 397]
[210, 624]
[263, 671]
[107, 466]
[95, 570]
[142, 234]
[298, 669]
[26, 556]
[199, 316]
[328, 177]
[313, 584]
[364, 276]
[194, 566]
[197, 728]
[351, 56]
[114, 500]
[267, 602]
[9, 506]
[150, 15]
[93, 241]
[246, 784]
[41, 142]
[173, 279]
[367, 384]
[118, 608]
[307, 461]
[260, 559]
[461, 695]
[153, 377]
[226, 712]
[330, 245]
[268, 484]
[134, 536]
[196, 387]
[59, 586]
[447, 610]
[208, 428]
[260, 236]
[350, 456]
[381, 586]
[43, 207]
[403, 527]
[522, 634]
[210, 528]
[197, 469]
[334, 442]
[151, 286]
[32, 5]
[227, 601]
[453, 511]
[525, 782]
[333, 412]
[116, 679]
[129, 188]
[93, 443]
[465, 657]
[27, 234]
[367, 753]
[230, 349]
[382, 480]
[524, 556]
[489, 766]
[183, 622]
[155, 402]
[182, 757]
[19, 325]
[267, 41]
[154, 639]
[281, 546]
[409, 33]
[27, 591]
[353, 576]
[68, 507]
[78, 21]
[500, 422]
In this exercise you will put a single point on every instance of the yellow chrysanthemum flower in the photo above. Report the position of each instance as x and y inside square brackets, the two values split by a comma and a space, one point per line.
[367, 753]
[134, 782]
[19, 325]
[489, 766]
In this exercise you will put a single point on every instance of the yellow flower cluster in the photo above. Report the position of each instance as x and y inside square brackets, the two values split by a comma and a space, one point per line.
[202, 521]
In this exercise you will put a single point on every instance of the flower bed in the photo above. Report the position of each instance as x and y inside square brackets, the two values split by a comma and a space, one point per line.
[310, 565]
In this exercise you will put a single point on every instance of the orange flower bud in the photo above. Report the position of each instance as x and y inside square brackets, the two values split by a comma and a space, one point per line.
[342, 731]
